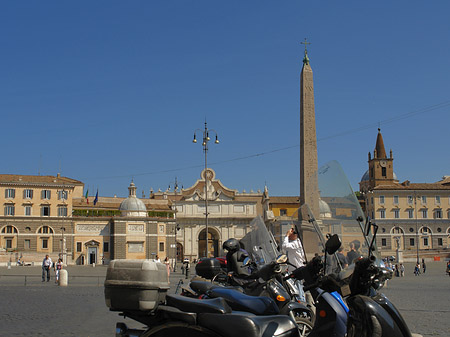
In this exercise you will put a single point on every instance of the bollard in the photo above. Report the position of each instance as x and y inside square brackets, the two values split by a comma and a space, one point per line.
[63, 278]
[93, 265]
[9, 265]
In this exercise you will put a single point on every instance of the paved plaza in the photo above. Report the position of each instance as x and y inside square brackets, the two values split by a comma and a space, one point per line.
[45, 309]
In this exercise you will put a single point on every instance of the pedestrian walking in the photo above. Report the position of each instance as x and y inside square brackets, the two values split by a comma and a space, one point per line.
[417, 269]
[58, 267]
[167, 263]
[424, 266]
[46, 265]
[402, 270]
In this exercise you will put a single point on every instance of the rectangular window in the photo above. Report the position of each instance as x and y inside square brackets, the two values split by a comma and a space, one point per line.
[395, 199]
[437, 200]
[424, 199]
[62, 195]
[10, 193]
[382, 214]
[46, 194]
[283, 212]
[425, 241]
[8, 243]
[44, 243]
[105, 247]
[410, 213]
[9, 210]
[371, 201]
[438, 214]
[78, 247]
[382, 199]
[383, 171]
[62, 210]
[411, 242]
[424, 213]
[161, 246]
[383, 242]
[45, 211]
[27, 210]
[410, 199]
[27, 245]
[396, 213]
[440, 242]
[28, 194]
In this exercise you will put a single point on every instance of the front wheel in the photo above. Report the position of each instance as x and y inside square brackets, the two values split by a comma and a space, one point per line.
[304, 326]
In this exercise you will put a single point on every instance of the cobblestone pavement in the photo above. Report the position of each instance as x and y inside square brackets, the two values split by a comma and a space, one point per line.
[45, 309]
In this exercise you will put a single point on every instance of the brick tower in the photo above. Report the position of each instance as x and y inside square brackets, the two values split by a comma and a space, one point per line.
[309, 189]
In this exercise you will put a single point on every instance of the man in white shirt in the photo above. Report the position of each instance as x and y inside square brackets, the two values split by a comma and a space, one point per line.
[46, 265]
[294, 249]
[296, 256]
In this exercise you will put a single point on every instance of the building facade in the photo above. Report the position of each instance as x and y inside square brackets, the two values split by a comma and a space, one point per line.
[413, 217]
[229, 213]
[36, 213]
[49, 215]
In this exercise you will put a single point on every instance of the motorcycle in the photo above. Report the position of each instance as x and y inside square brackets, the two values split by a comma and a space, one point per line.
[348, 301]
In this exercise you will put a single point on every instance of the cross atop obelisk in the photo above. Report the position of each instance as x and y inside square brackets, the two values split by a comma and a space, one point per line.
[309, 186]
[306, 59]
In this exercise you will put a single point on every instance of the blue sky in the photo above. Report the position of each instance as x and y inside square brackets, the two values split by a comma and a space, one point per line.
[103, 91]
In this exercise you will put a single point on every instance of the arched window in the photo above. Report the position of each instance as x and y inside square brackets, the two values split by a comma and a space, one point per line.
[45, 230]
[397, 230]
[425, 230]
[9, 230]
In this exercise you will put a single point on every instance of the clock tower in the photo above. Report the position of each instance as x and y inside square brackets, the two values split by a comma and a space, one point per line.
[381, 168]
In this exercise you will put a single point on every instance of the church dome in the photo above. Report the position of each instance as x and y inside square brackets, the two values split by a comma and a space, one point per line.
[324, 208]
[133, 206]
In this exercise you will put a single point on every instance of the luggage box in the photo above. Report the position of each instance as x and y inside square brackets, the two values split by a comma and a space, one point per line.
[132, 285]
[208, 267]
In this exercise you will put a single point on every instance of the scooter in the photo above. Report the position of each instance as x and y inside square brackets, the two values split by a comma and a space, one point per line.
[190, 317]
[348, 303]
[260, 293]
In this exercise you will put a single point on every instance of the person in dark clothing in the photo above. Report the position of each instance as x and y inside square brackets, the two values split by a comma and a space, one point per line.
[354, 251]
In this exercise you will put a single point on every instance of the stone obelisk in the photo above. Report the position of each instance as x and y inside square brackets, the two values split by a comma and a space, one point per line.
[309, 187]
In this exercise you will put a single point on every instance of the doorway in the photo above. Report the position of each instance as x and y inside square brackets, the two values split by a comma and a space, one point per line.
[213, 243]
[92, 255]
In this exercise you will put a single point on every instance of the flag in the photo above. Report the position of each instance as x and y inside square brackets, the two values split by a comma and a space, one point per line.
[96, 198]
[86, 196]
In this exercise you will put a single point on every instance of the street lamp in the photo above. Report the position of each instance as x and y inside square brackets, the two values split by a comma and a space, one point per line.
[177, 227]
[417, 229]
[63, 245]
[205, 141]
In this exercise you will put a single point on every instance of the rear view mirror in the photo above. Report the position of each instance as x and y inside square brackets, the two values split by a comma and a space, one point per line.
[332, 244]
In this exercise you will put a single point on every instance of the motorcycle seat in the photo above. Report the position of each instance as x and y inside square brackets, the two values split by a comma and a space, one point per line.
[194, 305]
[201, 287]
[258, 305]
[232, 325]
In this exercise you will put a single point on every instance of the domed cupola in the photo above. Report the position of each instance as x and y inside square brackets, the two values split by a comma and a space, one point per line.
[325, 210]
[133, 206]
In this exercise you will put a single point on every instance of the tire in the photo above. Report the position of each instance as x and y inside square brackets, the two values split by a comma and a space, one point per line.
[304, 326]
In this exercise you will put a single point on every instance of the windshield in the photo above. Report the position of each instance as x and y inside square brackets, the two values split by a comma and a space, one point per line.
[259, 243]
[341, 214]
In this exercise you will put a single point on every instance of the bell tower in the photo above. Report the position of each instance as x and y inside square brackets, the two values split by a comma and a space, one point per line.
[381, 167]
